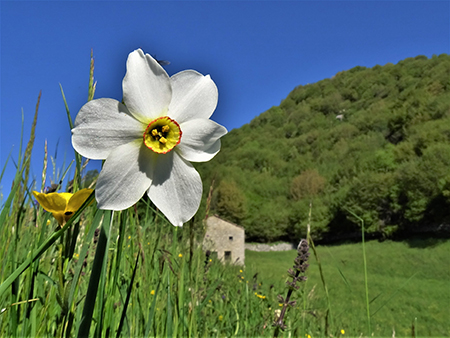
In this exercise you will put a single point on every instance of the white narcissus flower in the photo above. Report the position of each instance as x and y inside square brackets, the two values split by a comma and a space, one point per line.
[149, 141]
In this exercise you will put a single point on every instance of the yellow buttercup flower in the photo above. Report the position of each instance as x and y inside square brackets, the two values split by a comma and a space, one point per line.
[342, 331]
[62, 205]
[152, 292]
[180, 255]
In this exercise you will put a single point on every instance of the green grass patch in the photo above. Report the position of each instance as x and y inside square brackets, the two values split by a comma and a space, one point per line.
[408, 285]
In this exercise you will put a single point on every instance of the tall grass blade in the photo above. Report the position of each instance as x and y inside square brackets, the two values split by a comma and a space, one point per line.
[169, 321]
[92, 85]
[30, 145]
[44, 167]
[4, 167]
[7, 206]
[127, 299]
[151, 314]
[83, 254]
[347, 284]
[366, 283]
[108, 220]
[394, 294]
[322, 276]
[96, 274]
[77, 178]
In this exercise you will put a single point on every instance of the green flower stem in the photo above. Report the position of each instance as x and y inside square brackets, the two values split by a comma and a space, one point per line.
[47, 244]
[366, 283]
[96, 274]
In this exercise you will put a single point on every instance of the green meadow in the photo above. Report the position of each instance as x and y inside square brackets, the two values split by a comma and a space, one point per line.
[153, 280]
[408, 285]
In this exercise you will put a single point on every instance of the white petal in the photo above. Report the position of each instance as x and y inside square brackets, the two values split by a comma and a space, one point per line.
[125, 176]
[176, 189]
[200, 140]
[102, 125]
[193, 96]
[146, 87]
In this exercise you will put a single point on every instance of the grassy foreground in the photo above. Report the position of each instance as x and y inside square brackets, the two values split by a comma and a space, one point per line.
[409, 285]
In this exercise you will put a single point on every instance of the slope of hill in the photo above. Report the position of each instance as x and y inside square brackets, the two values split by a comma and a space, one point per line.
[374, 142]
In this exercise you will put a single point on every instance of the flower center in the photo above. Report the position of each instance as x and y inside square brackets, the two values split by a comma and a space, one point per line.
[162, 135]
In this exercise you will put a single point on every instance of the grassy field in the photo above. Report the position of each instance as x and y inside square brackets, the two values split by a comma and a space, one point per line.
[140, 278]
[409, 285]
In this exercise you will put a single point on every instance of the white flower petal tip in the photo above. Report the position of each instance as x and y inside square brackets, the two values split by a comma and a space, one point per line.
[150, 139]
[193, 96]
[200, 142]
[146, 87]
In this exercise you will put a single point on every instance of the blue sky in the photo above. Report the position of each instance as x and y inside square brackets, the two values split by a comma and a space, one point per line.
[255, 51]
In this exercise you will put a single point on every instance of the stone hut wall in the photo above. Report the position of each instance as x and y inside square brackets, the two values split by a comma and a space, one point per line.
[225, 238]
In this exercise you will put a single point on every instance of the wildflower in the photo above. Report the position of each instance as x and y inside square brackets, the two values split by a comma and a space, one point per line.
[220, 317]
[152, 292]
[48, 222]
[62, 205]
[240, 271]
[149, 141]
[342, 331]
[180, 255]
[297, 275]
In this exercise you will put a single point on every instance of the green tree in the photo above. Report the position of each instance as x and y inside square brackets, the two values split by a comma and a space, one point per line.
[230, 202]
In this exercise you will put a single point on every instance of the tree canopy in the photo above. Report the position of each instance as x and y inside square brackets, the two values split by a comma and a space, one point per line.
[368, 141]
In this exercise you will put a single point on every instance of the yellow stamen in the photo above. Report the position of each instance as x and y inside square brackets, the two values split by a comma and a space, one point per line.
[162, 135]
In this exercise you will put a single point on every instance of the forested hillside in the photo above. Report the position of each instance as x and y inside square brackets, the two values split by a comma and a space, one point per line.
[375, 142]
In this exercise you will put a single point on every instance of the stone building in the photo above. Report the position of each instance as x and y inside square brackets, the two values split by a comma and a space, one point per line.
[225, 240]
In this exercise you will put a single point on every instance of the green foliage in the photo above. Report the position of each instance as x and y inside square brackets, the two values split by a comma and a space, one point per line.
[308, 183]
[230, 201]
[386, 159]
